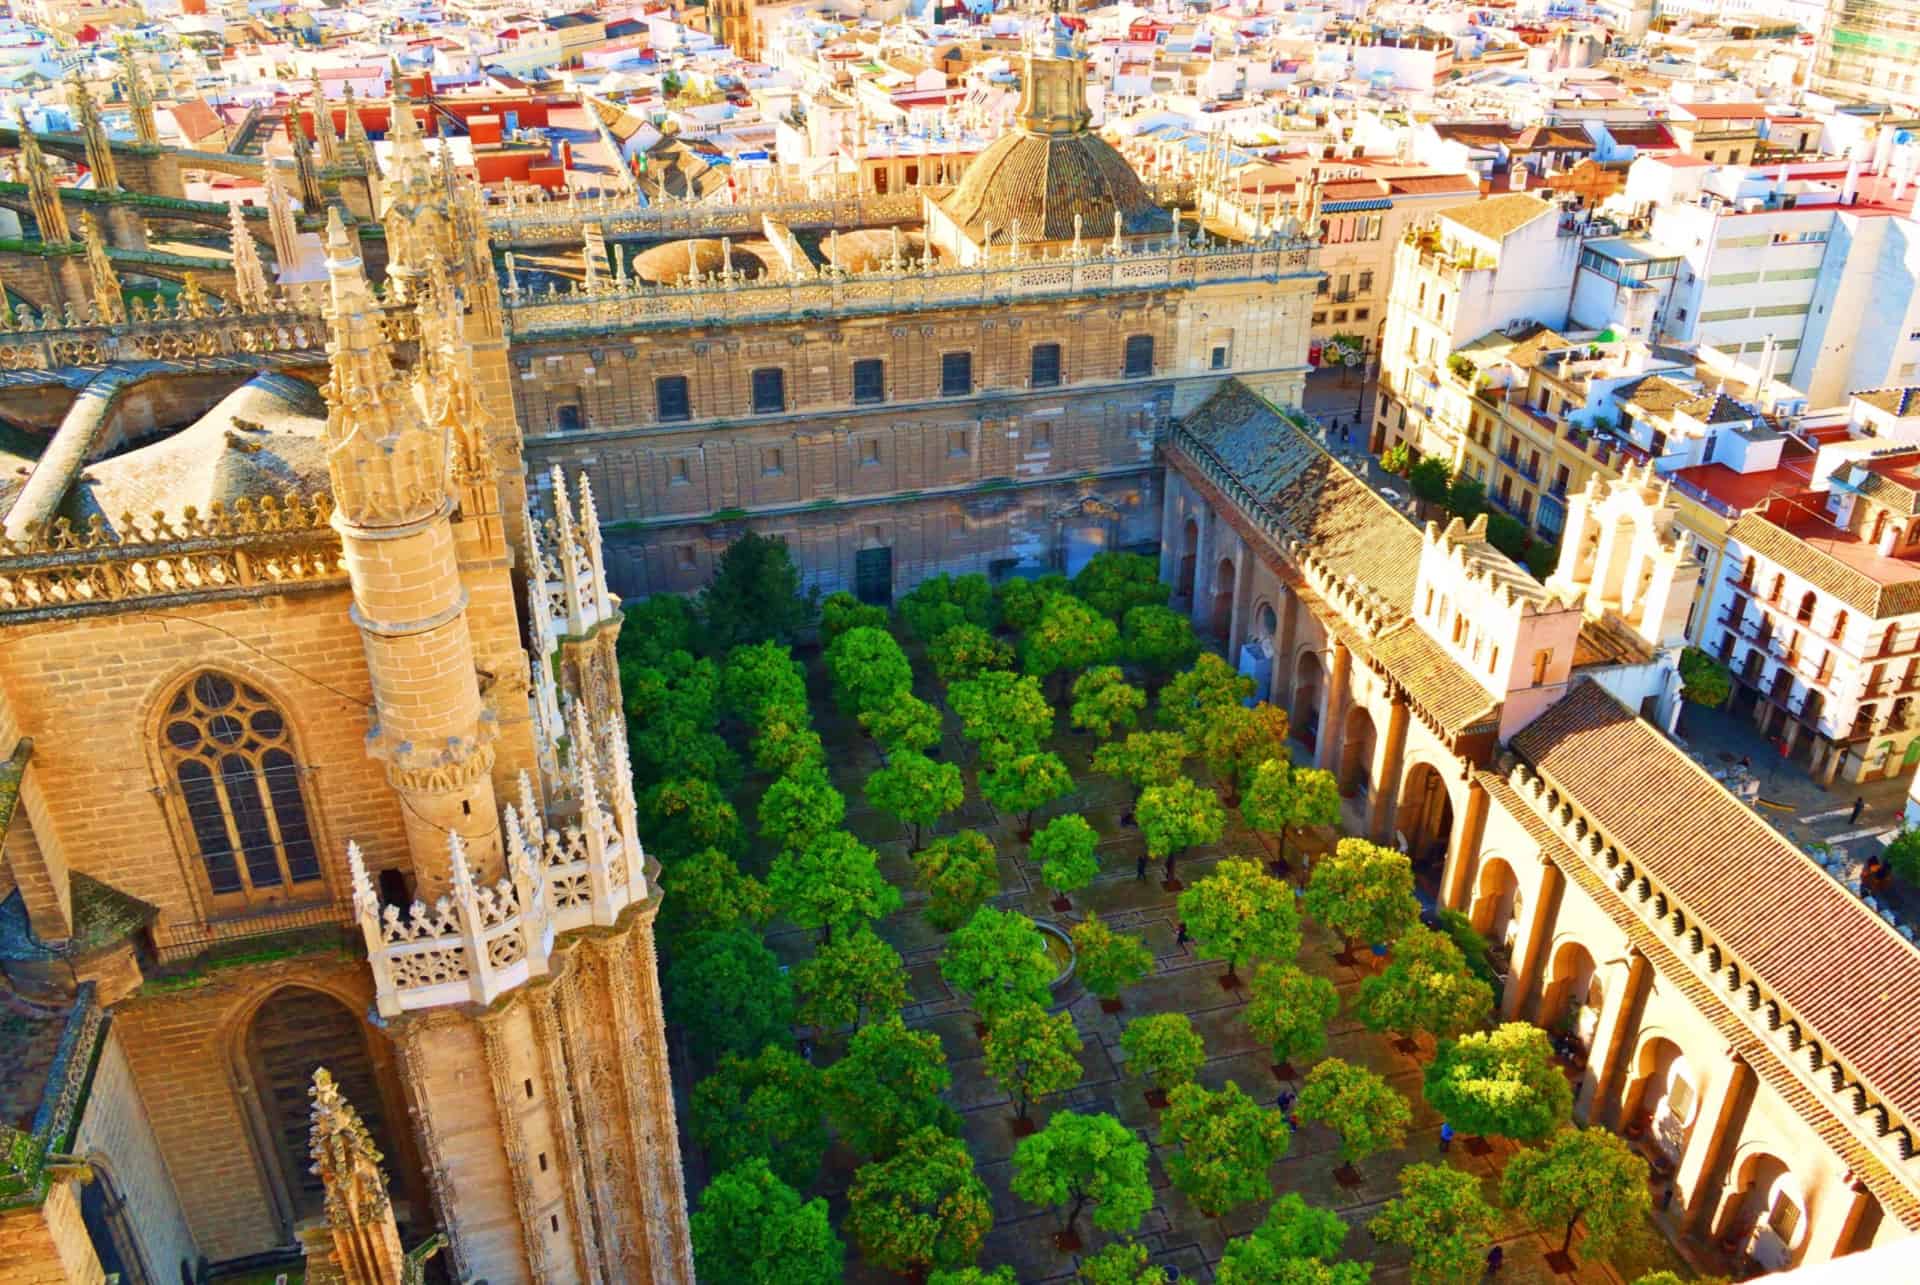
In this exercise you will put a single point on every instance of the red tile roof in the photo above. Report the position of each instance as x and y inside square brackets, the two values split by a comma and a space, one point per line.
[1851, 981]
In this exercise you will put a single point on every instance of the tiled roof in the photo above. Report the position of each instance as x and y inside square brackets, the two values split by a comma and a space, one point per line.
[1434, 680]
[1839, 967]
[1658, 394]
[1343, 521]
[1716, 408]
[1895, 401]
[1499, 216]
[1043, 180]
[1900, 497]
[1824, 571]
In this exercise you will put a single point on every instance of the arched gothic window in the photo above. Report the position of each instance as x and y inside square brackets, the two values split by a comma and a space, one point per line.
[230, 761]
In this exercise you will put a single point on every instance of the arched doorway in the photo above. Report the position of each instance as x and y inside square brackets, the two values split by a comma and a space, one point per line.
[1496, 906]
[293, 1032]
[1356, 754]
[1425, 822]
[1663, 1097]
[1304, 717]
[1220, 621]
[1574, 994]
[1189, 550]
[104, 1213]
[1768, 1215]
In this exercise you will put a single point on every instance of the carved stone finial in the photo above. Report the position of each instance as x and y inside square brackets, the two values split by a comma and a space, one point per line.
[360, 1237]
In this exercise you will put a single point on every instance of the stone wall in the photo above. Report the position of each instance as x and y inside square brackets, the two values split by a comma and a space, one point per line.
[117, 1138]
[47, 1244]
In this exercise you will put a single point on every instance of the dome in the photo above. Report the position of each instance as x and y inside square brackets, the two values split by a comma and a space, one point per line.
[867, 249]
[1050, 168]
[1043, 180]
[672, 263]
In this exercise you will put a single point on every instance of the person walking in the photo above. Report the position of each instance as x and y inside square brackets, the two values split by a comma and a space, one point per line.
[1495, 1257]
[1140, 869]
[1859, 806]
[1181, 938]
[1446, 1137]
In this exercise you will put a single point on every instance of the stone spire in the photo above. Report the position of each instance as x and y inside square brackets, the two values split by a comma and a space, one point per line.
[310, 194]
[389, 467]
[109, 305]
[99, 147]
[408, 164]
[146, 130]
[286, 248]
[323, 124]
[359, 1245]
[357, 143]
[48, 211]
[249, 277]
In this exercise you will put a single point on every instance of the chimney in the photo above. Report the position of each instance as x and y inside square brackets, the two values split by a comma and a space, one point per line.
[1769, 355]
[1882, 150]
[1851, 188]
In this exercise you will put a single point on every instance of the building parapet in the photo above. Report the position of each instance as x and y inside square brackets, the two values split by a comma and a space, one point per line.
[619, 303]
[197, 325]
[254, 546]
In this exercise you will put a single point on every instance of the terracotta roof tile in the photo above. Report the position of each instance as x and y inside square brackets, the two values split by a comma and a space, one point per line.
[1877, 599]
[1434, 680]
[1499, 216]
[1895, 401]
[1847, 976]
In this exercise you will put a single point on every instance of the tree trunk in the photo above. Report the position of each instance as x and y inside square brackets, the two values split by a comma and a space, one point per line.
[1079, 1203]
[916, 836]
[1566, 1246]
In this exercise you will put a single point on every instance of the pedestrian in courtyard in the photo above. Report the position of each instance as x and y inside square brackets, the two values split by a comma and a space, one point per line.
[1446, 1137]
[1666, 1197]
[1495, 1257]
[1180, 938]
[1284, 1103]
[1140, 869]
[1859, 806]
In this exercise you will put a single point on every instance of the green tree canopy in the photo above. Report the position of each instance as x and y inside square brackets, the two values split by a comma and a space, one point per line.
[1179, 816]
[786, 742]
[1114, 583]
[849, 978]
[1021, 601]
[1292, 1231]
[867, 668]
[1067, 849]
[1002, 1275]
[922, 1207]
[842, 611]
[1106, 961]
[672, 710]
[1032, 1053]
[1579, 1173]
[833, 884]
[1704, 680]
[1023, 783]
[1143, 759]
[1397, 459]
[1428, 477]
[1164, 1048]
[1224, 1143]
[916, 789]
[1288, 1010]
[1158, 639]
[1238, 738]
[960, 874]
[1240, 912]
[1080, 1160]
[1358, 1105]
[999, 961]
[767, 1107]
[654, 627]
[760, 675]
[1280, 796]
[1473, 947]
[1104, 700]
[1466, 496]
[1363, 892]
[1443, 1219]
[1903, 854]
[1124, 1262]
[967, 651]
[1002, 712]
[887, 1086]
[941, 602]
[754, 596]
[1427, 989]
[903, 722]
[1502, 1082]
[682, 816]
[753, 1228]
[1190, 700]
[726, 991]
[707, 892]
[1069, 636]
[799, 808]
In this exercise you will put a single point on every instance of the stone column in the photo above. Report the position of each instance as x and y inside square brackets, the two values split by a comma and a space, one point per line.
[1170, 528]
[1283, 645]
[1200, 610]
[1612, 1042]
[1333, 708]
[1836, 1218]
[1716, 1131]
[1530, 955]
[1462, 857]
[1386, 771]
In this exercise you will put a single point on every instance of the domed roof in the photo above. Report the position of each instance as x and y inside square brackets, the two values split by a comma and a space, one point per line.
[675, 261]
[1050, 168]
[1043, 180]
[865, 249]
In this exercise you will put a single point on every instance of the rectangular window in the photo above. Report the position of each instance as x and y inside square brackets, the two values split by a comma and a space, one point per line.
[1219, 357]
[1366, 281]
[956, 374]
[1040, 436]
[1139, 356]
[1541, 659]
[869, 452]
[566, 417]
[670, 398]
[1045, 372]
[1320, 319]
[679, 473]
[869, 380]
[957, 446]
[684, 555]
[769, 391]
[771, 463]
[1783, 310]
[1362, 314]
